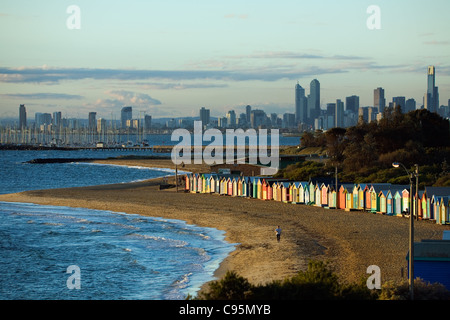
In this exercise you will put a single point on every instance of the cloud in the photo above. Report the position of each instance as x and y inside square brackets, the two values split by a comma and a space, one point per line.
[55, 75]
[116, 99]
[42, 95]
[178, 86]
[133, 98]
[295, 55]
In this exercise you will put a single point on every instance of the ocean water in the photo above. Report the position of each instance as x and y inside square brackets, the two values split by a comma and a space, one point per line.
[115, 255]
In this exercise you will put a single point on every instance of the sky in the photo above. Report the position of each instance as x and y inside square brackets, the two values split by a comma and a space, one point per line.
[170, 58]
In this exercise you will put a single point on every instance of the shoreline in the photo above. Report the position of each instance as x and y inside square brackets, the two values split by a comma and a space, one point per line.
[349, 241]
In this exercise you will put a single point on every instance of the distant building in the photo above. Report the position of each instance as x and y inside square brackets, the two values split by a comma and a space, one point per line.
[288, 120]
[101, 125]
[22, 117]
[352, 104]
[399, 101]
[257, 118]
[57, 118]
[301, 104]
[410, 105]
[204, 116]
[125, 114]
[147, 122]
[314, 100]
[379, 101]
[248, 111]
[231, 119]
[92, 121]
[339, 114]
[432, 90]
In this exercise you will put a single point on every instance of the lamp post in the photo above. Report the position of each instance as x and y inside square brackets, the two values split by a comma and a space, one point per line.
[411, 223]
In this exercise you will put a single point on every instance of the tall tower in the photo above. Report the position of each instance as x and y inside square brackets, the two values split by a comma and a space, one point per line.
[126, 114]
[378, 99]
[92, 121]
[22, 117]
[432, 90]
[300, 104]
[204, 116]
[314, 106]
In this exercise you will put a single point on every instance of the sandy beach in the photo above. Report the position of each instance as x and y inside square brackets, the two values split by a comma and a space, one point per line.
[349, 241]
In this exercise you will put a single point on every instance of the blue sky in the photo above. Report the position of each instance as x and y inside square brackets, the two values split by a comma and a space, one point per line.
[169, 58]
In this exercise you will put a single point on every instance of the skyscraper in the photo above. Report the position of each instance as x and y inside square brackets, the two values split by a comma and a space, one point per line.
[339, 114]
[231, 119]
[432, 90]
[204, 116]
[300, 104]
[314, 100]
[92, 121]
[57, 119]
[352, 103]
[379, 101]
[126, 114]
[400, 101]
[22, 117]
[248, 111]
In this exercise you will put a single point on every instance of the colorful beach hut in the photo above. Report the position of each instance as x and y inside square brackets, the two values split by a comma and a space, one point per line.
[295, 192]
[332, 198]
[362, 188]
[382, 201]
[355, 197]
[317, 196]
[397, 206]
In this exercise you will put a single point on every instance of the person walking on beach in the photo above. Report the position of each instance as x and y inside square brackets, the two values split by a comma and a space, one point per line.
[278, 233]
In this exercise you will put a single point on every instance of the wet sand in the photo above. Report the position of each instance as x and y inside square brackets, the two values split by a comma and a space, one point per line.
[349, 241]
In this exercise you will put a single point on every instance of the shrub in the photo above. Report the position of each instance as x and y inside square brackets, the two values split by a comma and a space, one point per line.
[230, 287]
[422, 291]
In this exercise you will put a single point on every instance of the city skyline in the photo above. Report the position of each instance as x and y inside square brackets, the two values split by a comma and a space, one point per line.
[221, 56]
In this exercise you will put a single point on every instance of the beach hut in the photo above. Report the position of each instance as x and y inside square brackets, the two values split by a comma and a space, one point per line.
[317, 196]
[234, 183]
[362, 188]
[397, 206]
[277, 191]
[324, 191]
[212, 183]
[349, 198]
[187, 183]
[270, 190]
[355, 197]
[442, 213]
[382, 199]
[296, 187]
[223, 186]
[332, 198]
[302, 190]
[194, 183]
[285, 191]
[405, 201]
[312, 193]
[426, 206]
[435, 192]
[368, 199]
[306, 195]
[343, 190]
[389, 203]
